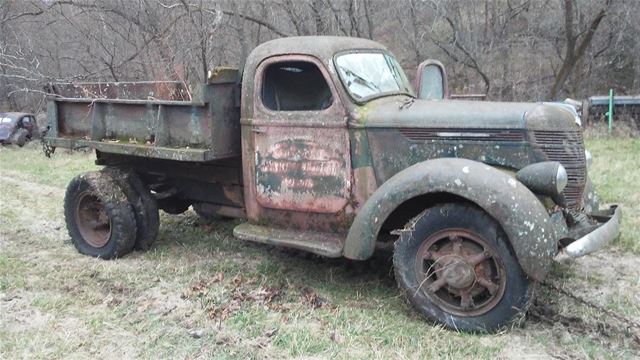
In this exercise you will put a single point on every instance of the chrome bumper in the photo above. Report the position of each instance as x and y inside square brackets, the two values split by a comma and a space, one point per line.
[598, 238]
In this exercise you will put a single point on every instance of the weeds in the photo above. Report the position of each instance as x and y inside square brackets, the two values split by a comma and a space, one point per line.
[200, 293]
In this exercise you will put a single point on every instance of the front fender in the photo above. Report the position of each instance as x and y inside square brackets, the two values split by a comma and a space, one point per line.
[521, 215]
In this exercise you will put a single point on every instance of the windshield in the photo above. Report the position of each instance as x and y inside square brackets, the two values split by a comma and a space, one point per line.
[369, 75]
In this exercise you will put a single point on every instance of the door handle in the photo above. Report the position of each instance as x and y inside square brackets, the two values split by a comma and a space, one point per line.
[259, 130]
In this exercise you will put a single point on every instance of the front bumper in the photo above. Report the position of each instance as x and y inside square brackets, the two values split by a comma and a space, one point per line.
[608, 230]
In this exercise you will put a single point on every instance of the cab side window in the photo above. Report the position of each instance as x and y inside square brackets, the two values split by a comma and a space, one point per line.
[295, 86]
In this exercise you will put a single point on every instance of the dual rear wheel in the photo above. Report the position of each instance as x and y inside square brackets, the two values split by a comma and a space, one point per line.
[109, 213]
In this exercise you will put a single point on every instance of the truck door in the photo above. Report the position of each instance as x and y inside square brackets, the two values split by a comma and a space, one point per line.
[302, 160]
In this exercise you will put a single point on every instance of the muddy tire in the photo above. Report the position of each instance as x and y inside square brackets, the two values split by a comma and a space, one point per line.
[144, 205]
[100, 220]
[20, 137]
[455, 266]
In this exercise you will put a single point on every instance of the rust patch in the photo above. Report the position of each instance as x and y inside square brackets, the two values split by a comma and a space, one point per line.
[301, 174]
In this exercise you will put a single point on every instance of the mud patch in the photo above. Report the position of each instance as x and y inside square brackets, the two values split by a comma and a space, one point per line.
[603, 330]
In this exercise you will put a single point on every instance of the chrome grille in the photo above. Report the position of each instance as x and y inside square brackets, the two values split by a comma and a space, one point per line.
[566, 147]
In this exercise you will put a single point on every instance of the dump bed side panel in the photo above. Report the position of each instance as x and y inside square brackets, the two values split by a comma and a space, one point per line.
[147, 120]
[141, 90]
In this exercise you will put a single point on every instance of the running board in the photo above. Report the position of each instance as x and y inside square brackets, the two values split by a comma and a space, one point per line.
[325, 244]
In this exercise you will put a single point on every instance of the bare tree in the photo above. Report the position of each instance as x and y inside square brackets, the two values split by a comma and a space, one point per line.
[511, 49]
[577, 42]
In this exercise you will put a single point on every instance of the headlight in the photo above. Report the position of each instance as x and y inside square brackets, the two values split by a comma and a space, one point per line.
[588, 157]
[561, 178]
[547, 178]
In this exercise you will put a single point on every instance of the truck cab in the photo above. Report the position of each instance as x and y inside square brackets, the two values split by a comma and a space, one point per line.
[329, 150]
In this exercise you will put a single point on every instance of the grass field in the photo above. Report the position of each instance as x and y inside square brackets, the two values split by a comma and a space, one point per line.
[199, 293]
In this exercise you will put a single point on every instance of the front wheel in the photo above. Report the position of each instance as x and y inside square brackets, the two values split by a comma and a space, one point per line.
[455, 265]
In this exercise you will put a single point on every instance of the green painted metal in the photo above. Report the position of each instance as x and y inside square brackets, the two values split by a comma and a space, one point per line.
[156, 152]
[147, 119]
[610, 113]
[390, 112]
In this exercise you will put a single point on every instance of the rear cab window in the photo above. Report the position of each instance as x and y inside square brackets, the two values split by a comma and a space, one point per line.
[295, 86]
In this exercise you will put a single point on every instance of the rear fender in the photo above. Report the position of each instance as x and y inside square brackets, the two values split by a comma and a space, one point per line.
[521, 215]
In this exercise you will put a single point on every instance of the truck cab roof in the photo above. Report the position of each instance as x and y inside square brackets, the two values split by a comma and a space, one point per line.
[322, 47]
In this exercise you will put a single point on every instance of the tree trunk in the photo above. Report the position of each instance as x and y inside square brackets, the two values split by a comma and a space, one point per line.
[575, 50]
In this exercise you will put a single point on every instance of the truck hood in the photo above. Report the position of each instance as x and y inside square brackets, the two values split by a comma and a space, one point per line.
[402, 131]
[406, 112]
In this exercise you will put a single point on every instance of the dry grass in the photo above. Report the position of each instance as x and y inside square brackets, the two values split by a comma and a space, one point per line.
[199, 293]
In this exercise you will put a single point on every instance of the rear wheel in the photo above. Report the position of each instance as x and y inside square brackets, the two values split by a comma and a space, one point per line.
[456, 268]
[144, 205]
[99, 218]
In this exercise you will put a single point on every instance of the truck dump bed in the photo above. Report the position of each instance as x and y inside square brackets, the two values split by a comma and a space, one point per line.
[160, 120]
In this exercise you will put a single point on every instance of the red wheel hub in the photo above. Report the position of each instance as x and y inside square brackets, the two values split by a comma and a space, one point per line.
[93, 221]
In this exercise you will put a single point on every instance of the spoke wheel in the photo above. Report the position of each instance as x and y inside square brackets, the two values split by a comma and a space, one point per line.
[455, 265]
[459, 271]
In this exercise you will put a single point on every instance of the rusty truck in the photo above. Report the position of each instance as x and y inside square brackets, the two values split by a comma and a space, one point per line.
[322, 144]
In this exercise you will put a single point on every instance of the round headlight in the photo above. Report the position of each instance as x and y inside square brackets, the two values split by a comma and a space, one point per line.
[561, 178]
[547, 177]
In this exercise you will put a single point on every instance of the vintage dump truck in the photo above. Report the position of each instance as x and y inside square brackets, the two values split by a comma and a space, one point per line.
[322, 145]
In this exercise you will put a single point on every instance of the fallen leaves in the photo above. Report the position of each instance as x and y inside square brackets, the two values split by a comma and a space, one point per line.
[311, 298]
[202, 286]
[261, 295]
[222, 298]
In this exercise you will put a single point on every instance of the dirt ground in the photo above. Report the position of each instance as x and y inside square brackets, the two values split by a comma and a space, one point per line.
[199, 293]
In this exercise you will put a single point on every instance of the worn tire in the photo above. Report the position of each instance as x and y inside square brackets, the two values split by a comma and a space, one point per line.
[144, 205]
[20, 137]
[465, 221]
[90, 198]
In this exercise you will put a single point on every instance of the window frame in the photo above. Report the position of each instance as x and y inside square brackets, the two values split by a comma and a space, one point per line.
[366, 99]
[260, 107]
